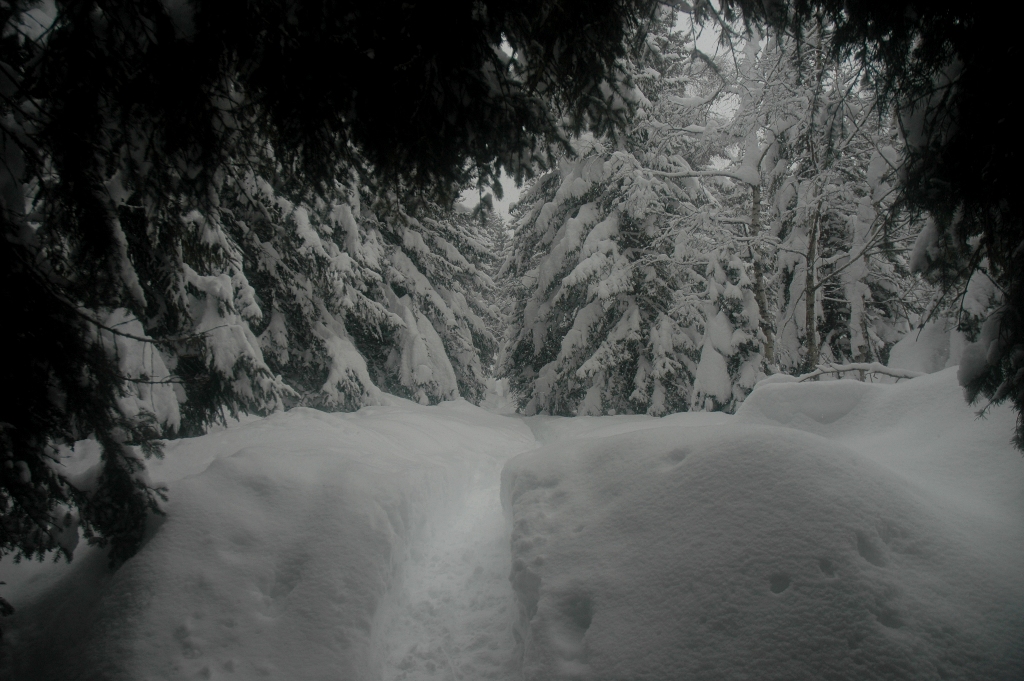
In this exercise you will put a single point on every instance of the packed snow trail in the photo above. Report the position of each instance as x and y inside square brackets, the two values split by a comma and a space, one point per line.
[287, 542]
[450, 615]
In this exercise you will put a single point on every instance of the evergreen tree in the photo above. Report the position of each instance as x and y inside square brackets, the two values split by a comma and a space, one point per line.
[316, 271]
[837, 286]
[596, 329]
[593, 332]
[367, 297]
[732, 348]
[844, 288]
[436, 280]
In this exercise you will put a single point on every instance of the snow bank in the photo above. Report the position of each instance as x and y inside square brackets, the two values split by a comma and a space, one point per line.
[920, 430]
[281, 538]
[550, 429]
[835, 530]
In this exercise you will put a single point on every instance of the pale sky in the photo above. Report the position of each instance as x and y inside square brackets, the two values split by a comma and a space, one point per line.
[470, 197]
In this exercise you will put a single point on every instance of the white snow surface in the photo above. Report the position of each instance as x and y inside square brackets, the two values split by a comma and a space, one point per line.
[836, 530]
[282, 538]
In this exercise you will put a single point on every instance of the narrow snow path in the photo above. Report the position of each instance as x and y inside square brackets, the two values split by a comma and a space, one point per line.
[450, 616]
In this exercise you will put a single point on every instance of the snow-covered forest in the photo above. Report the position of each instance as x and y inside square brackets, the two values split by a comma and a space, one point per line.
[287, 398]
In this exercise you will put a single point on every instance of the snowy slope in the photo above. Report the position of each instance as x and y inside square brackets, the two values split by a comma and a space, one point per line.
[828, 530]
[920, 430]
[281, 539]
[833, 530]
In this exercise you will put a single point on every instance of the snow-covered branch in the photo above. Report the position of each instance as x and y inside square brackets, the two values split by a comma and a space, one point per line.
[747, 178]
[866, 367]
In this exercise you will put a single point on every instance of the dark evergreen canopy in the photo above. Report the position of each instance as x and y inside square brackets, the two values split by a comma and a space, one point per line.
[119, 117]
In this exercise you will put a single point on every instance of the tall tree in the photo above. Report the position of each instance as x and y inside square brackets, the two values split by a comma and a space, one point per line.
[942, 67]
[595, 329]
[806, 155]
[732, 347]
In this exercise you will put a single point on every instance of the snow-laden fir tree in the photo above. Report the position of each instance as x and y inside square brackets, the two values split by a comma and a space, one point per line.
[597, 327]
[594, 333]
[842, 285]
[364, 297]
[496, 236]
[806, 153]
[316, 271]
[732, 347]
[436, 280]
[724, 232]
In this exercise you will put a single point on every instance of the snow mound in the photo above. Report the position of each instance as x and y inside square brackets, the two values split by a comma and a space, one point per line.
[758, 550]
[920, 430]
[281, 539]
[549, 429]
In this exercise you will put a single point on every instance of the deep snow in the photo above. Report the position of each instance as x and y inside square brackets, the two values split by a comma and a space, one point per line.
[282, 537]
[828, 530]
[836, 530]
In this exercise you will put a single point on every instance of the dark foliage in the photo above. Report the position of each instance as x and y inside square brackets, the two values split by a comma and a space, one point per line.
[121, 117]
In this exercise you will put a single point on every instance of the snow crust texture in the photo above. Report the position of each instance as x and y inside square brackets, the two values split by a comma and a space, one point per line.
[837, 530]
[832, 530]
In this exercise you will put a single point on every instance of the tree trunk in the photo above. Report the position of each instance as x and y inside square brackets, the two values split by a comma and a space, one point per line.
[810, 295]
[759, 289]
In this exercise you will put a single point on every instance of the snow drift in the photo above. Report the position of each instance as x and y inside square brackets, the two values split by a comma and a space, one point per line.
[282, 537]
[836, 530]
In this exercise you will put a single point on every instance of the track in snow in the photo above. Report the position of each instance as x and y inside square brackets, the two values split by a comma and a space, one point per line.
[450, 616]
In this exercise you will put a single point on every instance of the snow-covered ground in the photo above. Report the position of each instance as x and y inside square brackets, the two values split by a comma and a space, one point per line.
[836, 530]
[283, 537]
[828, 530]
